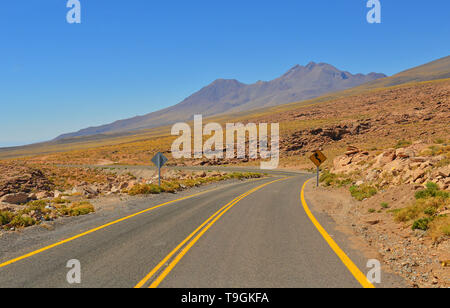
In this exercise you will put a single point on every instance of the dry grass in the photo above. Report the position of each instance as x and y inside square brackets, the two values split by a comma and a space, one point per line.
[139, 147]
[424, 215]
[178, 185]
[38, 212]
[440, 226]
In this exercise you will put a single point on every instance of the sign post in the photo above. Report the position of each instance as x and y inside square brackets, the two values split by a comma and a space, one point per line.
[159, 160]
[318, 158]
[318, 176]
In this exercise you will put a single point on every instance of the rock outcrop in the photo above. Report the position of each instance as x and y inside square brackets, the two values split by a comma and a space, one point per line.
[395, 166]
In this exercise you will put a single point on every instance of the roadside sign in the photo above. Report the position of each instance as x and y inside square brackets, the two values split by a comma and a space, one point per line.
[318, 158]
[159, 160]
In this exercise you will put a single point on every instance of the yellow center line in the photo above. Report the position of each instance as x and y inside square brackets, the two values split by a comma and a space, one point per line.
[208, 223]
[359, 276]
[103, 227]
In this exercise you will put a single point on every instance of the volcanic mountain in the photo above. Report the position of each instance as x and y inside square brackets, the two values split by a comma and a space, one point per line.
[224, 96]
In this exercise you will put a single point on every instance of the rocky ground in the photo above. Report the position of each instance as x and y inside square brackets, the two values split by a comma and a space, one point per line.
[375, 120]
[33, 194]
[397, 201]
[388, 163]
[415, 164]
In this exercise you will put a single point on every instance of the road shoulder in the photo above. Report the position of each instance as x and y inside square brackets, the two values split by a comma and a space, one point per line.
[323, 205]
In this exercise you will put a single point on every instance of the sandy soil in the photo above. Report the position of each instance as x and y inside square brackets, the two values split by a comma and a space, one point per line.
[402, 251]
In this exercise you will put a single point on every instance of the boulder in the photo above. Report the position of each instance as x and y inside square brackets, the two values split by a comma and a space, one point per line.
[17, 198]
[90, 191]
[44, 194]
[352, 152]
[418, 174]
[115, 190]
[32, 196]
[8, 207]
[419, 159]
[123, 185]
[385, 158]
[77, 190]
[405, 153]
[444, 172]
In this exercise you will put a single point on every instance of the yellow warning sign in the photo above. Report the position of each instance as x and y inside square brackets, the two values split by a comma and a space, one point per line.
[318, 158]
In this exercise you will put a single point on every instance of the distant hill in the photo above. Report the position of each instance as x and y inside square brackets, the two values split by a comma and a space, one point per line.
[436, 70]
[224, 96]
[439, 69]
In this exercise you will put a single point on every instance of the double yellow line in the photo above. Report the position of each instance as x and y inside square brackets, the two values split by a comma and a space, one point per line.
[180, 251]
[33, 253]
[183, 248]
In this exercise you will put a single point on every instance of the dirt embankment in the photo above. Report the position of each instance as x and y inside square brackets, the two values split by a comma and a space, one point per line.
[396, 205]
[410, 254]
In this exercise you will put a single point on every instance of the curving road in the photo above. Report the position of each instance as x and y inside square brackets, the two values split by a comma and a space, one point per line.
[236, 235]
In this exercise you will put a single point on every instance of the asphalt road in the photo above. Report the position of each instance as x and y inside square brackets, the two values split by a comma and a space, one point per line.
[263, 239]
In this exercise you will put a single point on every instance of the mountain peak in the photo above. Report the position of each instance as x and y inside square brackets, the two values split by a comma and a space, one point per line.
[226, 82]
[311, 65]
[230, 95]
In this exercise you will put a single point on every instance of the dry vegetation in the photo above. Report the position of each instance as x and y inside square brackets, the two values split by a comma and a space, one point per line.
[40, 211]
[32, 194]
[376, 120]
[396, 159]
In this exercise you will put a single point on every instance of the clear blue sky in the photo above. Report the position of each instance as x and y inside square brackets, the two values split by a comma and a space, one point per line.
[131, 57]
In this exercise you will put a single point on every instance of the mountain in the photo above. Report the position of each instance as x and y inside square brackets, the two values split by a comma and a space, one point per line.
[223, 96]
[438, 69]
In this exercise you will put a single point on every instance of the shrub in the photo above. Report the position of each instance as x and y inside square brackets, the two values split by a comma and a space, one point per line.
[384, 205]
[446, 229]
[328, 178]
[440, 226]
[432, 190]
[60, 201]
[21, 221]
[144, 189]
[37, 203]
[430, 211]
[363, 192]
[372, 211]
[81, 208]
[422, 224]
[169, 187]
[423, 212]
[174, 186]
[331, 179]
[420, 208]
[76, 209]
[5, 217]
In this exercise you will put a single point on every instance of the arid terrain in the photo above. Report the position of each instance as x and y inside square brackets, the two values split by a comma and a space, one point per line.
[39, 194]
[386, 180]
